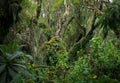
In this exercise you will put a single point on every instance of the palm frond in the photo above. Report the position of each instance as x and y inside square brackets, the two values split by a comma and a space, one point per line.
[2, 68]
[19, 65]
[12, 72]
[17, 54]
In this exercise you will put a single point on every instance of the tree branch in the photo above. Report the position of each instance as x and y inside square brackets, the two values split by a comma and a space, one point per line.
[62, 21]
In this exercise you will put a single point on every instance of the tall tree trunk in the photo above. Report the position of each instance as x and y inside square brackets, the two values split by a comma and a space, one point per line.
[81, 43]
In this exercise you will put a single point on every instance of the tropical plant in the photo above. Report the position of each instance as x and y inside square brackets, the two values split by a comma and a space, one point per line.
[12, 62]
[110, 20]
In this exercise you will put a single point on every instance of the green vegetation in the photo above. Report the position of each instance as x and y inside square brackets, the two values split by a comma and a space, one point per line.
[59, 41]
[12, 62]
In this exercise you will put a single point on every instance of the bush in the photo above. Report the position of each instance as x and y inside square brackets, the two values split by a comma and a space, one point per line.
[101, 65]
[13, 62]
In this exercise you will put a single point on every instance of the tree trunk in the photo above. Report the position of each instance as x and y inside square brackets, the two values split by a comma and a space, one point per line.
[81, 43]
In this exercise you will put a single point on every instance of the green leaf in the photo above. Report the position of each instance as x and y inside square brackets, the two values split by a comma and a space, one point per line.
[75, 2]
[2, 60]
[2, 68]
[13, 47]
[12, 72]
[17, 54]
[19, 65]
[29, 57]
[8, 55]
[23, 72]
[57, 4]
[20, 47]
[3, 77]
[3, 48]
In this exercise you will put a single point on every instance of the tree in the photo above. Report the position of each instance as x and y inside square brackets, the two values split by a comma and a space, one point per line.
[110, 20]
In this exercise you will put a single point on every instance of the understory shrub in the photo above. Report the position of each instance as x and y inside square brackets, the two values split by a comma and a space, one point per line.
[13, 63]
[100, 65]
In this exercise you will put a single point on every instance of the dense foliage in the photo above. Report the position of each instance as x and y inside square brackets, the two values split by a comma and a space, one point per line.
[60, 41]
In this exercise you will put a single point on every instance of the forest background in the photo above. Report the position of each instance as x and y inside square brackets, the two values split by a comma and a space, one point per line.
[60, 41]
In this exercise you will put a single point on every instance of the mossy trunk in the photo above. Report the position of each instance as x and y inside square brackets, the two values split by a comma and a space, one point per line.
[82, 42]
